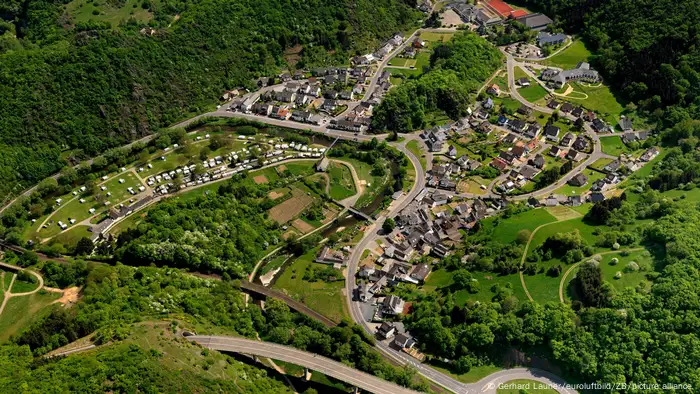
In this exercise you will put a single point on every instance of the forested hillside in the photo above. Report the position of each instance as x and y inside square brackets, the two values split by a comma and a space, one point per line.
[457, 69]
[87, 86]
[646, 48]
[118, 300]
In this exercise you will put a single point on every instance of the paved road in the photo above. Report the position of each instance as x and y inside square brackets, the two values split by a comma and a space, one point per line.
[597, 149]
[312, 361]
[29, 191]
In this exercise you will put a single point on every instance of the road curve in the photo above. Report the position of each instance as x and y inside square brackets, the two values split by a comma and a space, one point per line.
[312, 361]
[490, 384]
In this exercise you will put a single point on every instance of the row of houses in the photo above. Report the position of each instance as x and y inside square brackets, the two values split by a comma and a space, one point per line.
[384, 50]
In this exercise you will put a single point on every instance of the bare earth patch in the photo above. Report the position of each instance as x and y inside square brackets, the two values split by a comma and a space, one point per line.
[70, 296]
[290, 208]
[273, 195]
[302, 226]
[450, 18]
[260, 179]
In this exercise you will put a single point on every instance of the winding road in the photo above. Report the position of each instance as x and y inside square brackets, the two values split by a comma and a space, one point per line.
[295, 356]
[340, 371]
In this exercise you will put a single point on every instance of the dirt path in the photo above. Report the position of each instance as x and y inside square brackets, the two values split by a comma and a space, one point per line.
[566, 274]
[8, 293]
[359, 187]
[527, 247]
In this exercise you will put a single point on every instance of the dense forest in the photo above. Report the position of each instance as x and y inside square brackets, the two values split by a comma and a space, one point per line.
[457, 69]
[646, 48]
[225, 231]
[85, 87]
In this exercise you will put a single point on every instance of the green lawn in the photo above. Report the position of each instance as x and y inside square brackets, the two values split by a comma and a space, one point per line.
[601, 163]
[569, 190]
[600, 99]
[422, 60]
[405, 71]
[521, 386]
[628, 279]
[570, 57]
[397, 61]
[74, 209]
[85, 10]
[506, 230]
[373, 184]
[545, 288]
[325, 298]
[507, 102]
[71, 237]
[342, 185]
[414, 147]
[20, 312]
[8, 280]
[21, 286]
[533, 93]
[613, 146]
[584, 229]
[443, 279]
[435, 36]
[520, 73]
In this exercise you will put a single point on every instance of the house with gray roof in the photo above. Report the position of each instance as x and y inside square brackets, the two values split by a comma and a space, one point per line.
[535, 21]
[582, 72]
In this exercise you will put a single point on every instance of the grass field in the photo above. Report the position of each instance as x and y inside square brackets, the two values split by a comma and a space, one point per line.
[443, 279]
[414, 147]
[432, 37]
[78, 211]
[408, 72]
[21, 286]
[584, 229]
[613, 146]
[20, 312]
[600, 163]
[342, 185]
[325, 298]
[525, 386]
[398, 61]
[71, 237]
[570, 57]
[628, 279]
[533, 93]
[506, 230]
[373, 184]
[545, 288]
[84, 10]
[600, 99]
[507, 102]
[562, 213]
[569, 190]
[8, 280]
